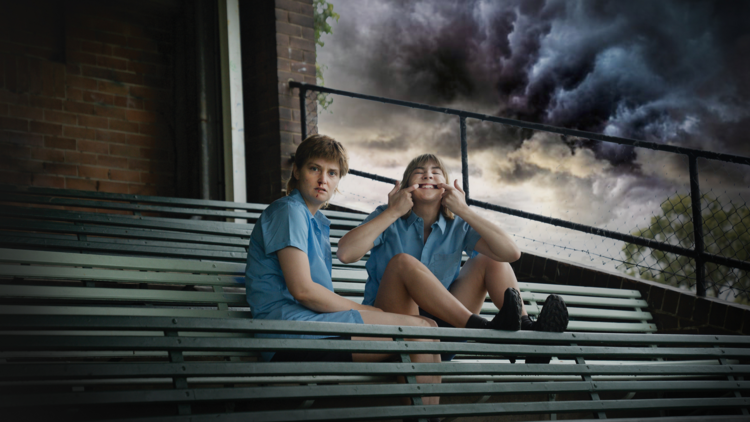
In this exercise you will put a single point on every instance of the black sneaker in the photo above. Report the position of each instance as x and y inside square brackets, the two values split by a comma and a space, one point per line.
[553, 318]
[509, 317]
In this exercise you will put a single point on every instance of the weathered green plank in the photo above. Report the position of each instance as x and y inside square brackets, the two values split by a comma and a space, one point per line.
[336, 329]
[477, 409]
[112, 310]
[14, 342]
[119, 295]
[53, 371]
[69, 273]
[578, 290]
[346, 392]
[110, 261]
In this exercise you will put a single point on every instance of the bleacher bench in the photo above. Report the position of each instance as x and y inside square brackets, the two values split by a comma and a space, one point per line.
[120, 306]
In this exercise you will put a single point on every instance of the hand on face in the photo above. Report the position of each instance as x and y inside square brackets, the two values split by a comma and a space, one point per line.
[454, 197]
[400, 200]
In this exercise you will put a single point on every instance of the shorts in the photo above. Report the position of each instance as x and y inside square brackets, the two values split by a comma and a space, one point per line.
[444, 357]
[316, 356]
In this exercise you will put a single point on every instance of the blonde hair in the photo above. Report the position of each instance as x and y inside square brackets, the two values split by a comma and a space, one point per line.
[318, 146]
[420, 162]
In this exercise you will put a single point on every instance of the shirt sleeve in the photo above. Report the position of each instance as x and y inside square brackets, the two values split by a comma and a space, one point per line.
[286, 226]
[471, 238]
[374, 214]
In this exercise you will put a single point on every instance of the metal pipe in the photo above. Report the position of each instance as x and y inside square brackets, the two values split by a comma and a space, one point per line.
[534, 126]
[302, 110]
[464, 156]
[203, 113]
[695, 199]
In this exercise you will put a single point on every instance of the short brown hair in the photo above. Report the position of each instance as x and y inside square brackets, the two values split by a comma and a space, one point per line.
[419, 162]
[318, 146]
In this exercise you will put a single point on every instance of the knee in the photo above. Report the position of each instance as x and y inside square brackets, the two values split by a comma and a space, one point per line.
[402, 261]
[492, 266]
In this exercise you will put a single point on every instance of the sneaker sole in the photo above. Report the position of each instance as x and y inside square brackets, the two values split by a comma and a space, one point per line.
[510, 314]
[554, 315]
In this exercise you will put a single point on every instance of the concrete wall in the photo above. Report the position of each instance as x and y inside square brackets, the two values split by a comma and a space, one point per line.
[87, 105]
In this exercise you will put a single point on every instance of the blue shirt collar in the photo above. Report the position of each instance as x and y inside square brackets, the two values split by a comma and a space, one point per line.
[440, 221]
[296, 196]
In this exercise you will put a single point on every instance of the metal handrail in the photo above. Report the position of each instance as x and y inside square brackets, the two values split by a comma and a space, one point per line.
[698, 253]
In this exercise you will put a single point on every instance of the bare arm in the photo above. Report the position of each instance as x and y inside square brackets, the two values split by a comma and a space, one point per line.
[355, 244]
[296, 269]
[495, 242]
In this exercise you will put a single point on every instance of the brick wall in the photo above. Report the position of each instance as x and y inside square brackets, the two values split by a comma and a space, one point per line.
[674, 310]
[272, 118]
[97, 115]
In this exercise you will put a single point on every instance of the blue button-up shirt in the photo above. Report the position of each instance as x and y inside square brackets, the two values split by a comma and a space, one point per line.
[441, 253]
[288, 222]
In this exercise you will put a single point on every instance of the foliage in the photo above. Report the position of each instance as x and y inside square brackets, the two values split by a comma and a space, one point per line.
[726, 228]
[322, 10]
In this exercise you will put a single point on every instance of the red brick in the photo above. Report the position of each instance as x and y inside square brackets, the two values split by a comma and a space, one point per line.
[93, 146]
[45, 128]
[147, 68]
[125, 175]
[143, 141]
[30, 166]
[123, 126]
[110, 161]
[75, 94]
[14, 178]
[75, 157]
[287, 52]
[302, 44]
[3, 109]
[124, 150]
[44, 102]
[48, 154]
[305, 68]
[282, 40]
[111, 63]
[72, 69]
[16, 151]
[47, 181]
[136, 164]
[162, 179]
[61, 143]
[113, 88]
[283, 64]
[62, 169]
[288, 29]
[301, 20]
[91, 121]
[21, 138]
[309, 57]
[8, 123]
[129, 102]
[111, 112]
[80, 82]
[142, 44]
[80, 108]
[113, 187]
[112, 75]
[78, 57]
[96, 48]
[59, 117]
[126, 53]
[157, 130]
[140, 116]
[24, 112]
[110, 136]
[93, 172]
[81, 184]
[308, 34]
[79, 132]
[148, 93]
[282, 15]
[13, 98]
[154, 154]
[96, 97]
[143, 190]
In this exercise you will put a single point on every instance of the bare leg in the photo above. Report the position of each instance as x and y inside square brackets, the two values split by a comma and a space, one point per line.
[385, 318]
[408, 285]
[481, 275]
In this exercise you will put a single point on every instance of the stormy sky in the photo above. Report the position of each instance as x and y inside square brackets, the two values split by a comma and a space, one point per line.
[672, 72]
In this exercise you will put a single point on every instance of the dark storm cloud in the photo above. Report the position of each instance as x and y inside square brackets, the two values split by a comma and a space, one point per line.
[667, 71]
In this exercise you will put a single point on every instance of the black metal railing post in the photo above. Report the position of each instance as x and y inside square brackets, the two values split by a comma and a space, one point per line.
[695, 197]
[302, 110]
[464, 157]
